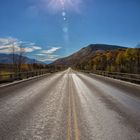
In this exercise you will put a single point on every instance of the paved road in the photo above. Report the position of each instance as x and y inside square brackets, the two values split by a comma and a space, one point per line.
[70, 106]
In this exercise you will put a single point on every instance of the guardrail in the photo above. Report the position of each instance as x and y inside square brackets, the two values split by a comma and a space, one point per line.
[135, 78]
[10, 77]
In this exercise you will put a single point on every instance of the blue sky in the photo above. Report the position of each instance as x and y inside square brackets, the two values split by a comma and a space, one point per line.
[50, 29]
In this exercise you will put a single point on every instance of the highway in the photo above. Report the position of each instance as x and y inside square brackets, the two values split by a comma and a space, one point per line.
[70, 105]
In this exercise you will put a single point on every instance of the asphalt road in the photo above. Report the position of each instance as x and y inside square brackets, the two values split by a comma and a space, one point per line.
[70, 106]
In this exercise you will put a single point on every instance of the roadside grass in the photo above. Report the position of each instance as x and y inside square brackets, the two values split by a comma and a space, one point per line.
[5, 75]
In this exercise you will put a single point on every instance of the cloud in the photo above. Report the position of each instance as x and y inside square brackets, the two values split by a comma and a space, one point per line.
[40, 54]
[8, 44]
[28, 49]
[7, 41]
[36, 48]
[32, 11]
[45, 58]
[51, 50]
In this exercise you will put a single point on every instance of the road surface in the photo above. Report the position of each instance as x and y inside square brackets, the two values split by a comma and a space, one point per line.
[70, 105]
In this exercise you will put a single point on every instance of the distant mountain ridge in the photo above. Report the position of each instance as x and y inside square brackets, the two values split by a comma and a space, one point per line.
[7, 59]
[85, 54]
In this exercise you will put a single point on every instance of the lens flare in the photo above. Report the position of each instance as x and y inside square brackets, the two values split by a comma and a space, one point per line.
[65, 29]
[64, 7]
[63, 14]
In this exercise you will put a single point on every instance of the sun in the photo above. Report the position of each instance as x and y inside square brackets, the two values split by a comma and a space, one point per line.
[58, 5]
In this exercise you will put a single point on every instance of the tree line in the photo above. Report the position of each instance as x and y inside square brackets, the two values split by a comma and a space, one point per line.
[120, 60]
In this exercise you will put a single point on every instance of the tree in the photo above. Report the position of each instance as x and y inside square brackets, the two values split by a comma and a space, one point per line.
[120, 61]
[130, 59]
[21, 58]
[13, 58]
[17, 58]
[109, 57]
[137, 63]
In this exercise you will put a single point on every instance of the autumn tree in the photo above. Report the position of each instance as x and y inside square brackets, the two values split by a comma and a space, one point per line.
[120, 62]
[137, 62]
[109, 56]
[130, 57]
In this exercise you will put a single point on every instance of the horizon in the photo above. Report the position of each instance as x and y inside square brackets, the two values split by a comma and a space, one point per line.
[49, 62]
[50, 30]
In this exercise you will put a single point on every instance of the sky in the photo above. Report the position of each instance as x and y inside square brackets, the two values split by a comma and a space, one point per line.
[51, 29]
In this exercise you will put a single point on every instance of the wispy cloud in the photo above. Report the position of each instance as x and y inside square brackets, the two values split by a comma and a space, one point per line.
[32, 11]
[48, 55]
[7, 41]
[6, 45]
[36, 48]
[45, 58]
[39, 54]
[51, 50]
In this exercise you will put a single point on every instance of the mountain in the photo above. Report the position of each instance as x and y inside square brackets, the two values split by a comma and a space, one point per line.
[85, 54]
[7, 59]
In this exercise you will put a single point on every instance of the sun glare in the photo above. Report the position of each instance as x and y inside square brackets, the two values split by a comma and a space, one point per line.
[58, 5]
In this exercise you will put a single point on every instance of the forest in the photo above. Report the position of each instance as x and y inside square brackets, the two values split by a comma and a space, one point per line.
[119, 60]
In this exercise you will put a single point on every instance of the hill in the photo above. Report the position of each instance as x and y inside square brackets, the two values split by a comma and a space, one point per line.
[85, 54]
[7, 59]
